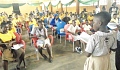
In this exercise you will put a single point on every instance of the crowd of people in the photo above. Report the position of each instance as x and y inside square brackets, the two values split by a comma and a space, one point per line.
[103, 40]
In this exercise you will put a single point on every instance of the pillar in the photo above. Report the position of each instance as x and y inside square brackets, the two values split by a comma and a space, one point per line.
[51, 8]
[109, 4]
[66, 8]
[61, 7]
[77, 7]
[57, 8]
[40, 8]
[98, 3]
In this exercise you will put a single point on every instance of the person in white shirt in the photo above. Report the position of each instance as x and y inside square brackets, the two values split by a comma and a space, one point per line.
[43, 41]
[100, 44]
[86, 26]
[97, 10]
[113, 9]
[75, 31]
[114, 19]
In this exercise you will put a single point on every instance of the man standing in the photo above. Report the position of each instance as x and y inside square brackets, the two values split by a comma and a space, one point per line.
[113, 9]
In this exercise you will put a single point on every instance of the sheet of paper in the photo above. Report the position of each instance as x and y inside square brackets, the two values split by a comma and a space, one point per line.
[17, 46]
[84, 37]
[62, 30]
[112, 25]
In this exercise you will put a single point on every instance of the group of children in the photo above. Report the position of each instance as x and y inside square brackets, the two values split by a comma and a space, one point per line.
[98, 48]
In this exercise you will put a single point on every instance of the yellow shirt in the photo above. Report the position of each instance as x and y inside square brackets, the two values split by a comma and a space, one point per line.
[62, 16]
[7, 37]
[77, 22]
[45, 17]
[33, 23]
[42, 18]
[90, 18]
[14, 22]
[13, 30]
[114, 20]
[1, 20]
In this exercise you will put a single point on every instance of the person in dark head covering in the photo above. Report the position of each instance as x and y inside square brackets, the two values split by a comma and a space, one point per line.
[55, 20]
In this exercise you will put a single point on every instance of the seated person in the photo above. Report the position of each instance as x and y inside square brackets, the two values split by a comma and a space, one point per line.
[32, 22]
[114, 19]
[90, 18]
[62, 16]
[3, 23]
[55, 20]
[16, 20]
[11, 28]
[43, 42]
[86, 26]
[49, 20]
[66, 18]
[76, 20]
[7, 40]
[75, 31]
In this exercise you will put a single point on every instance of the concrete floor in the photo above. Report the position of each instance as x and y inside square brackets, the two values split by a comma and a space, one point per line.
[71, 61]
[63, 58]
[68, 61]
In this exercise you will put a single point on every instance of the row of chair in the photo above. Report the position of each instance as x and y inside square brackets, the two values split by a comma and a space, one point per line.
[63, 25]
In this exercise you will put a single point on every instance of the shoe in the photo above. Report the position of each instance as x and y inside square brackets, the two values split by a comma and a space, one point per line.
[58, 36]
[45, 57]
[77, 49]
[17, 67]
[50, 60]
[81, 52]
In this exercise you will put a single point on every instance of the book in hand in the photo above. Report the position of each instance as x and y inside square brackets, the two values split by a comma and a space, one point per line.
[84, 37]
[17, 46]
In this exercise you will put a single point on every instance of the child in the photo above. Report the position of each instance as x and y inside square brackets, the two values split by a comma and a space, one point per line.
[100, 44]
[7, 53]
[43, 42]
[86, 26]
[114, 19]
[73, 28]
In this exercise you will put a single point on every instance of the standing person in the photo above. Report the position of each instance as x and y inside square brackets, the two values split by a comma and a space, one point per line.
[103, 8]
[100, 44]
[85, 13]
[113, 9]
[74, 29]
[97, 10]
